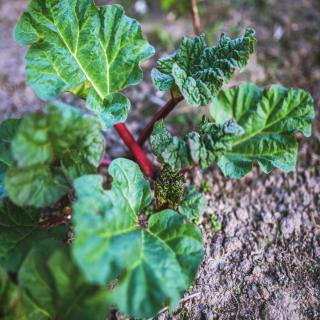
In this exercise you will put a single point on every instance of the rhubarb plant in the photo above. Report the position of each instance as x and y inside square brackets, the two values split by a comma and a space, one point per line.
[48, 151]
[76, 241]
[197, 71]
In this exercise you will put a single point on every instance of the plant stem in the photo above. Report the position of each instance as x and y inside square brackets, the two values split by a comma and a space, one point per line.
[161, 114]
[135, 148]
[195, 17]
[105, 161]
[195, 295]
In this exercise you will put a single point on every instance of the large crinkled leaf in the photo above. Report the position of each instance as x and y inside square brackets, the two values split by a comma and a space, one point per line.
[270, 118]
[152, 265]
[198, 147]
[200, 71]
[19, 232]
[52, 287]
[78, 47]
[193, 204]
[49, 150]
[169, 149]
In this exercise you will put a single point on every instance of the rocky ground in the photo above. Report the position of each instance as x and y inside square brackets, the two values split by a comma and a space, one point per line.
[264, 262]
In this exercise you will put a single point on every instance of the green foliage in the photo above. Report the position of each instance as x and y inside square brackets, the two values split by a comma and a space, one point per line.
[93, 52]
[53, 287]
[205, 187]
[169, 149]
[169, 188]
[9, 297]
[7, 132]
[199, 147]
[19, 232]
[156, 264]
[200, 71]
[193, 204]
[216, 225]
[49, 150]
[312, 269]
[50, 286]
[3, 192]
[267, 121]
[270, 118]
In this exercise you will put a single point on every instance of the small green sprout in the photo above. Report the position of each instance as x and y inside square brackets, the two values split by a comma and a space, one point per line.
[205, 187]
[312, 269]
[237, 290]
[216, 225]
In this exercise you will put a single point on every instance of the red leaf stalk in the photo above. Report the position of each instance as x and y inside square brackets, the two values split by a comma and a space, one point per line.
[136, 150]
[161, 114]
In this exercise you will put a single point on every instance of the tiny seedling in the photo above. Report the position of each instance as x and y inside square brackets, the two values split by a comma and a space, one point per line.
[205, 187]
[312, 269]
[134, 244]
[237, 290]
[216, 224]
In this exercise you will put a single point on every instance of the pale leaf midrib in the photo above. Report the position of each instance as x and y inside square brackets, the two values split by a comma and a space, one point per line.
[107, 67]
[74, 55]
[255, 133]
[37, 307]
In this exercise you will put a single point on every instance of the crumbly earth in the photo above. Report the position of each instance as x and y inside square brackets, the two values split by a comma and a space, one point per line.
[264, 263]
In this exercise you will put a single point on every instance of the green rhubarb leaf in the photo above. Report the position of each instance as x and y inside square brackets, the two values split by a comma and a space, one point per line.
[169, 149]
[131, 193]
[111, 110]
[193, 204]
[8, 130]
[53, 287]
[211, 140]
[270, 118]
[3, 192]
[9, 297]
[199, 147]
[19, 232]
[50, 150]
[37, 186]
[152, 265]
[78, 47]
[200, 71]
